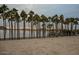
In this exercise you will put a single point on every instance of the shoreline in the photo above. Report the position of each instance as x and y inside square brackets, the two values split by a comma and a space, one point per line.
[29, 38]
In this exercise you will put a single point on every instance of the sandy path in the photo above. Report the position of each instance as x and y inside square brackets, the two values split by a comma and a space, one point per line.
[59, 45]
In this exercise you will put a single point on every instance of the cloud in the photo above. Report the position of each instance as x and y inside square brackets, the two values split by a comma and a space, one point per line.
[48, 9]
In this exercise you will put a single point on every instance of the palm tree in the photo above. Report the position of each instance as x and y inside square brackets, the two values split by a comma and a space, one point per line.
[13, 16]
[24, 16]
[28, 20]
[3, 10]
[31, 14]
[66, 23]
[53, 24]
[5, 17]
[17, 20]
[9, 18]
[49, 26]
[56, 21]
[44, 19]
[62, 21]
[76, 23]
[18, 25]
[37, 20]
[71, 22]
[10, 24]
[14, 21]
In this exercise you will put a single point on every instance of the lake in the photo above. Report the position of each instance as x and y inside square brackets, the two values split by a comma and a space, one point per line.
[27, 34]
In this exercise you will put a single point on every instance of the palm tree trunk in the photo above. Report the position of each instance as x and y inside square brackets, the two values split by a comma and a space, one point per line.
[11, 30]
[56, 29]
[49, 32]
[71, 28]
[39, 32]
[65, 26]
[53, 29]
[18, 32]
[75, 29]
[61, 29]
[24, 29]
[36, 31]
[4, 24]
[44, 29]
[15, 29]
[31, 29]
[67, 30]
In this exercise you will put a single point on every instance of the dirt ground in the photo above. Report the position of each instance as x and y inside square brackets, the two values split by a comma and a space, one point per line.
[44, 46]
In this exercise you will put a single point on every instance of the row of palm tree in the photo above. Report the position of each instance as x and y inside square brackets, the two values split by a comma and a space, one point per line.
[72, 22]
[67, 23]
[14, 19]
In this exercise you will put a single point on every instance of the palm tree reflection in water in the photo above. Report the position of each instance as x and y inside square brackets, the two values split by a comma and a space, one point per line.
[40, 26]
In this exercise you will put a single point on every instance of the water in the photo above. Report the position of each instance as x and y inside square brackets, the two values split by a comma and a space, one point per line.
[27, 34]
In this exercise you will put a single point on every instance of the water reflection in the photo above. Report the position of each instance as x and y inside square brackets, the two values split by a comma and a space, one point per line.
[27, 34]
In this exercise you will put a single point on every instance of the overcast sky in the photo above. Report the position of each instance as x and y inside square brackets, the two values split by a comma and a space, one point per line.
[68, 10]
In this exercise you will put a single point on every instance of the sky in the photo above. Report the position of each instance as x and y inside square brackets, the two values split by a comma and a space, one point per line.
[68, 10]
